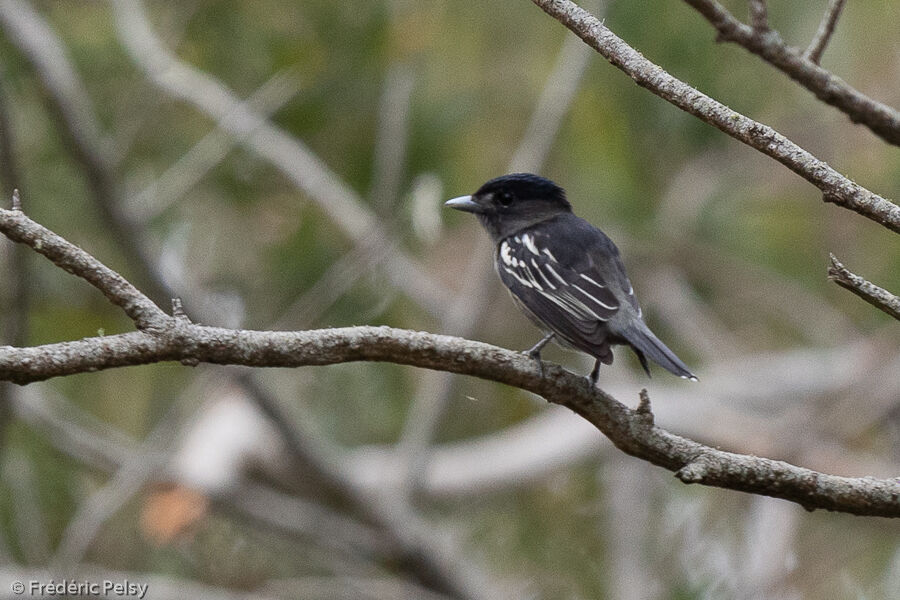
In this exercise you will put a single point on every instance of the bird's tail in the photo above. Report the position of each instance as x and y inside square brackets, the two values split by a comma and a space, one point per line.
[645, 344]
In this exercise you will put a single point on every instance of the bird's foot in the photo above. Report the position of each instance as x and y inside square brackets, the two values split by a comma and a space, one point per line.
[535, 355]
[535, 352]
[594, 374]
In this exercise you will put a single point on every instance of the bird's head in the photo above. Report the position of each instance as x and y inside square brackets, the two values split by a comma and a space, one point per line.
[513, 202]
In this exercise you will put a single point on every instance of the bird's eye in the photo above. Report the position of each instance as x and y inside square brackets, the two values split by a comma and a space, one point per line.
[505, 199]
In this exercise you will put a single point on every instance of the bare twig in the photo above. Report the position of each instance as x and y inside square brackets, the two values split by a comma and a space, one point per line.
[826, 29]
[759, 15]
[140, 309]
[692, 462]
[629, 431]
[882, 119]
[835, 187]
[878, 297]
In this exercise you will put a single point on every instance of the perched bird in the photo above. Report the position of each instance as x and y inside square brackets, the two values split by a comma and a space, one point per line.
[563, 272]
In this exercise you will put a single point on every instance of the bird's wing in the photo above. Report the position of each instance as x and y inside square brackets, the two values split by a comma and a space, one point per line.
[561, 282]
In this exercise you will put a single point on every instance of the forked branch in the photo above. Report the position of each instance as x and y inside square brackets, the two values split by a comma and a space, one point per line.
[834, 187]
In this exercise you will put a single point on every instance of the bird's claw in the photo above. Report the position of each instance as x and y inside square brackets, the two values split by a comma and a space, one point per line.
[594, 375]
[535, 355]
[534, 352]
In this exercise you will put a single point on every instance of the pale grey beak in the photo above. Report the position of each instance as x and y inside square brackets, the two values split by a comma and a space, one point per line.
[464, 203]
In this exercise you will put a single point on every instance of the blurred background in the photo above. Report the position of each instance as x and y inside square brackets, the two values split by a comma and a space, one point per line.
[282, 165]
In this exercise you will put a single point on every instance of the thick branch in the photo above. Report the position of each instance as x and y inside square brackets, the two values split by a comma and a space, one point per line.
[628, 430]
[883, 120]
[834, 186]
[878, 297]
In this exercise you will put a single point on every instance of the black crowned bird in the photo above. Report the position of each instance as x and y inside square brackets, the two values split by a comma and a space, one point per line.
[564, 273]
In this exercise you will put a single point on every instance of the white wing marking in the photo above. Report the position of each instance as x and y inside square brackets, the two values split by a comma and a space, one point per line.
[607, 306]
[555, 274]
[531, 277]
[518, 277]
[541, 273]
[505, 256]
[529, 243]
[585, 277]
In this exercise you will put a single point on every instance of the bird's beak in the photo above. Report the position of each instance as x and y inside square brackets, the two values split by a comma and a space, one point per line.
[464, 203]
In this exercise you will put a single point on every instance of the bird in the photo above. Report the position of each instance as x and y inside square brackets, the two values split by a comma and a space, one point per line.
[564, 273]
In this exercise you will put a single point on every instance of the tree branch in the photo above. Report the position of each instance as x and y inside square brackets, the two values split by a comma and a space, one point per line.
[759, 15]
[878, 297]
[826, 30]
[631, 431]
[882, 119]
[139, 308]
[835, 187]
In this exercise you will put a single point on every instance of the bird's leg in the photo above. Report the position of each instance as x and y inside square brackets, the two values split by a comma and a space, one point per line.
[535, 351]
[595, 373]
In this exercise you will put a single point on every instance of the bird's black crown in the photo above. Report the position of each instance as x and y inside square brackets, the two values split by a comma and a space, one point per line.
[510, 203]
[523, 188]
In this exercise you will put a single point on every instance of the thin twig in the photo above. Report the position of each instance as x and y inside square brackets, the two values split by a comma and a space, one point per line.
[691, 461]
[759, 15]
[878, 297]
[835, 187]
[882, 119]
[826, 29]
[139, 308]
